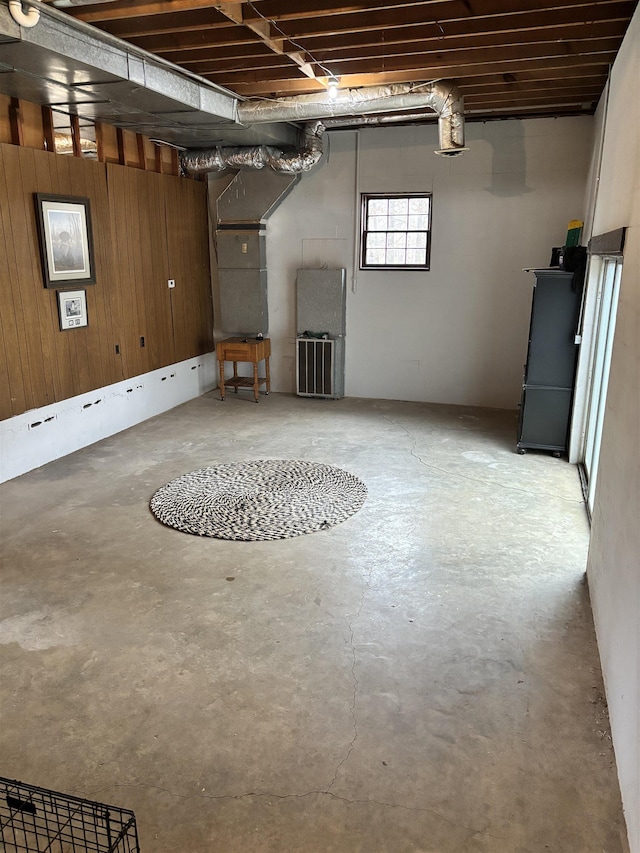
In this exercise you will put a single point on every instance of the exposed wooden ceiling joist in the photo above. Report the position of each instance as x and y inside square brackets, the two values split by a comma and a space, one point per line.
[523, 56]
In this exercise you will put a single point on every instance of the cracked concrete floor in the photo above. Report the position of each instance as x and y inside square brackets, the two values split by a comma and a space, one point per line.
[423, 677]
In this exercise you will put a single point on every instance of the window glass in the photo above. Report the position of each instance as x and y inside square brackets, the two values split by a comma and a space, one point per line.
[396, 231]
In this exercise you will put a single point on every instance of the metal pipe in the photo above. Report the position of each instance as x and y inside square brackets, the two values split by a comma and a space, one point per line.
[24, 19]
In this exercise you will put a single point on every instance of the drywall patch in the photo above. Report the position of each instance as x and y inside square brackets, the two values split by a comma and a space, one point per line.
[42, 435]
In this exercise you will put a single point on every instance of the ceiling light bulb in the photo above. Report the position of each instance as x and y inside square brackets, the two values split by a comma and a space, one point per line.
[332, 87]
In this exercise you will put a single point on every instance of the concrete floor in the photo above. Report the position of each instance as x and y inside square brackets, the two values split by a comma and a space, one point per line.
[423, 677]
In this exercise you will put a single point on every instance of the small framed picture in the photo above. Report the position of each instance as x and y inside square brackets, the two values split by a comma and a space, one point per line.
[66, 241]
[72, 309]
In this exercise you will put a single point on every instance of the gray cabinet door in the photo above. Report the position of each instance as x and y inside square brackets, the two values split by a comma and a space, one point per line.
[545, 418]
[554, 317]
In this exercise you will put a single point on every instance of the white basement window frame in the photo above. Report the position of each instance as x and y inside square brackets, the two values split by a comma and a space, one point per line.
[395, 231]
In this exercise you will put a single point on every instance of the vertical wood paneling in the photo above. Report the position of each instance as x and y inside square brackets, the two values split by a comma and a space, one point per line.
[147, 227]
[30, 310]
[104, 312]
[55, 350]
[188, 241]
[123, 268]
[161, 342]
[14, 395]
[5, 124]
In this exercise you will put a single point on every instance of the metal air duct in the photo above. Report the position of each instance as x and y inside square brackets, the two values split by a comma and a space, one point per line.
[353, 105]
[291, 162]
[443, 97]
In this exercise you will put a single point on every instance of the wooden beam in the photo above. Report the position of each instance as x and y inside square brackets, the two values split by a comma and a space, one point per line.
[431, 66]
[267, 34]
[127, 9]
[283, 10]
[455, 71]
[15, 122]
[175, 168]
[75, 136]
[100, 141]
[231, 10]
[48, 129]
[142, 157]
[122, 159]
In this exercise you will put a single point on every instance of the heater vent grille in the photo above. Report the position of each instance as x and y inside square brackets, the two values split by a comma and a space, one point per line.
[315, 361]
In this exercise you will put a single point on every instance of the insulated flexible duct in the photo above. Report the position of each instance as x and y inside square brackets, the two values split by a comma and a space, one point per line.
[443, 97]
[352, 105]
[258, 156]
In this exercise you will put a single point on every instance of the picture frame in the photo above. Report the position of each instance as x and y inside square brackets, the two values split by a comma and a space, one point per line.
[66, 239]
[72, 309]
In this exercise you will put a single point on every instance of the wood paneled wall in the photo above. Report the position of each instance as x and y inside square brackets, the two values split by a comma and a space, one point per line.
[147, 228]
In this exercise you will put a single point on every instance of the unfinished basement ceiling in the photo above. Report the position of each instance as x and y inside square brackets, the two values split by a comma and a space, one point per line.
[510, 58]
[176, 70]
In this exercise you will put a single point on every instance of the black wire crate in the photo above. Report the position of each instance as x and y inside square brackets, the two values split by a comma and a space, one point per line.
[36, 820]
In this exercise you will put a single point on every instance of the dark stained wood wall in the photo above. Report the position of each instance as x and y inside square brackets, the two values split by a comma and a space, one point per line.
[147, 228]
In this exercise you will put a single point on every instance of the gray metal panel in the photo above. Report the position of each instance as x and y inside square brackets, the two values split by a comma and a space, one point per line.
[252, 195]
[241, 249]
[63, 61]
[552, 352]
[545, 418]
[321, 301]
[243, 302]
[9, 29]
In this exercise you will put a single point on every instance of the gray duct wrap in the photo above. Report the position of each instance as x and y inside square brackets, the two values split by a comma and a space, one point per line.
[258, 156]
[442, 97]
[352, 105]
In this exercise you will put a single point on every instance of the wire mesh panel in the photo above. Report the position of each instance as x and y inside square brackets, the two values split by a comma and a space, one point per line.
[37, 820]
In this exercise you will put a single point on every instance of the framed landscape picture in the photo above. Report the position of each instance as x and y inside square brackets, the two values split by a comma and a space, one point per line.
[72, 309]
[66, 241]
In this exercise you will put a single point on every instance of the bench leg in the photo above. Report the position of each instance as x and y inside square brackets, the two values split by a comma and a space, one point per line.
[221, 370]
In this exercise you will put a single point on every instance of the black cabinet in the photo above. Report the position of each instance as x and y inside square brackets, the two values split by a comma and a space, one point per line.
[547, 389]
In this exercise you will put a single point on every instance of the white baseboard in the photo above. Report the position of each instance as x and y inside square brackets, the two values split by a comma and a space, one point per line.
[37, 437]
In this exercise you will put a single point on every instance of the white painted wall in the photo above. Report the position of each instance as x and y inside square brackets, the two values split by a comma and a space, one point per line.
[42, 435]
[458, 333]
[614, 555]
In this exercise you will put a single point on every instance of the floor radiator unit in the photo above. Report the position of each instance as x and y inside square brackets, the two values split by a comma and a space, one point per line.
[316, 368]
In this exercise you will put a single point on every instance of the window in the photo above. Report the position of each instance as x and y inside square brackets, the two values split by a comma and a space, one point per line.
[396, 231]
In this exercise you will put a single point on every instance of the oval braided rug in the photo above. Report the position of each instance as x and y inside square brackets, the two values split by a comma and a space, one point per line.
[264, 499]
